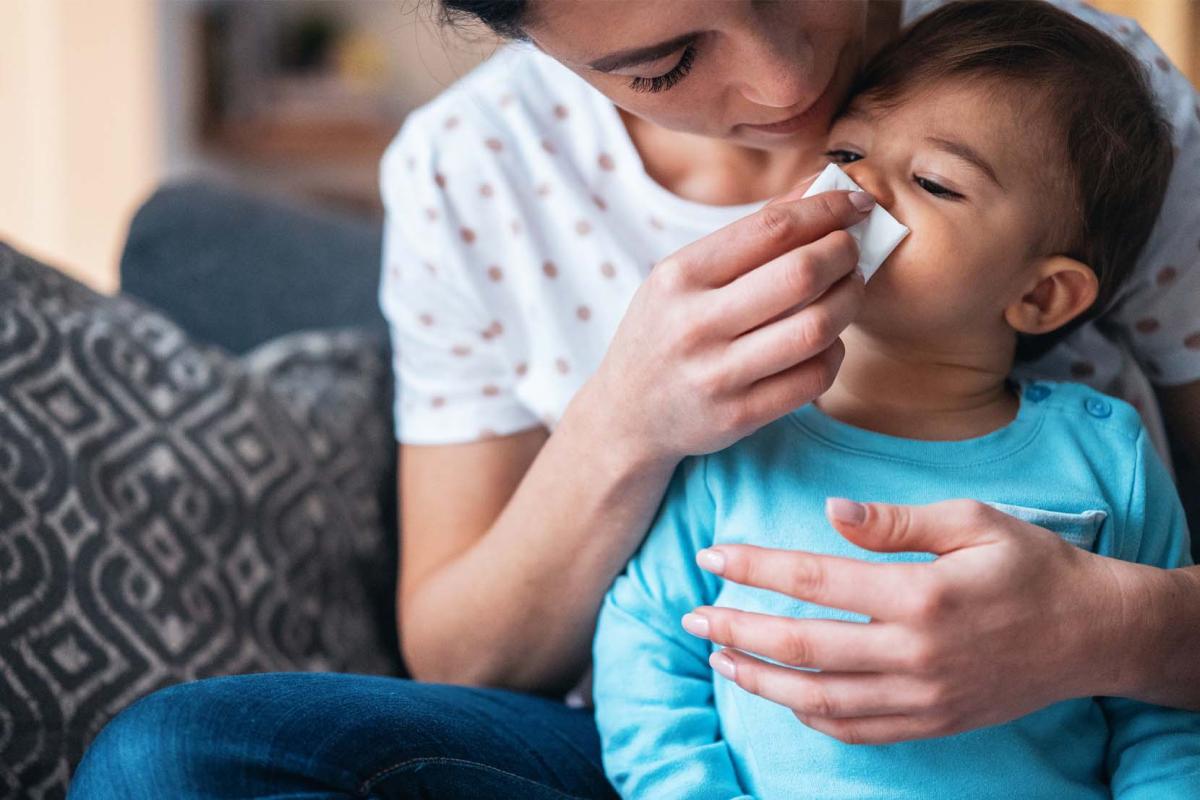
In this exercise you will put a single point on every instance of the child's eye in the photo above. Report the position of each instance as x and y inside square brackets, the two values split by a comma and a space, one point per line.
[660, 83]
[843, 156]
[935, 189]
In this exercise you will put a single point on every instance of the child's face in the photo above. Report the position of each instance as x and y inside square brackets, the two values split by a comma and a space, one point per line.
[956, 163]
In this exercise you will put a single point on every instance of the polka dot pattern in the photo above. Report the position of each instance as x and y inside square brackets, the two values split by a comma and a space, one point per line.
[1147, 325]
[526, 232]
[1083, 369]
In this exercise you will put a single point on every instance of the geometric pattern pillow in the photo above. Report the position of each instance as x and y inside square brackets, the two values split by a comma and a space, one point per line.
[168, 512]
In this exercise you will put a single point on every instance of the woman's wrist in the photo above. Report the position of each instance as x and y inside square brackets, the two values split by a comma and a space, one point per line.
[1128, 628]
[600, 421]
[1154, 639]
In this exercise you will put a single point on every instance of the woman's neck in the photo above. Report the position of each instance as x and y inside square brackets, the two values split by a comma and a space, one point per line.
[903, 390]
[717, 172]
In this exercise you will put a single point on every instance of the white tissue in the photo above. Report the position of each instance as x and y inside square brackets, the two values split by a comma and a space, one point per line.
[877, 235]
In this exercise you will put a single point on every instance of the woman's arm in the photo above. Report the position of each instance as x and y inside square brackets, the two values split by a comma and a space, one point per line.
[1008, 619]
[509, 544]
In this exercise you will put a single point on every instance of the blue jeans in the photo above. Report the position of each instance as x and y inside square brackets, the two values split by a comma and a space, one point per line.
[340, 736]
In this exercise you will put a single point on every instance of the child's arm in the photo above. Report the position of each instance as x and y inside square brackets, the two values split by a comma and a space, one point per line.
[653, 686]
[1153, 752]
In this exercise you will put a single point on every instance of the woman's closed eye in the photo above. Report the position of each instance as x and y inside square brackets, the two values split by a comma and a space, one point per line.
[660, 83]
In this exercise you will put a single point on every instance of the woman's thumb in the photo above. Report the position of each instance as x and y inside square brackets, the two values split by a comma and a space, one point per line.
[938, 528]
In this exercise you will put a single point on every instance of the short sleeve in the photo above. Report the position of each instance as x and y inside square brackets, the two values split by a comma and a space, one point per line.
[454, 379]
[1157, 313]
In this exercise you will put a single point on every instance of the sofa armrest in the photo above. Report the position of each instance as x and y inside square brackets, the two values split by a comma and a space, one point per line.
[236, 270]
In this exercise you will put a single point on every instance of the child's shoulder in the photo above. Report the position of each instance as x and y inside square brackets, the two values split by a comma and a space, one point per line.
[1083, 410]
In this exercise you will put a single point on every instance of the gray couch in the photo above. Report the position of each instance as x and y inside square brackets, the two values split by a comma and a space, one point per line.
[196, 476]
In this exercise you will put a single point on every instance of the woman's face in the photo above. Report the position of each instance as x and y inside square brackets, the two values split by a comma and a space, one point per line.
[761, 73]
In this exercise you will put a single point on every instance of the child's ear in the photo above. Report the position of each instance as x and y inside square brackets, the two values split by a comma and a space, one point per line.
[1060, 289]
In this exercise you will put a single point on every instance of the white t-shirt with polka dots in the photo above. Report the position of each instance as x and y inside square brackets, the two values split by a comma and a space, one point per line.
[520, 221]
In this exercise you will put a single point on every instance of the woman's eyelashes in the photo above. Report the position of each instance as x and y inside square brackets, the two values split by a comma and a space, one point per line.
[660, 83]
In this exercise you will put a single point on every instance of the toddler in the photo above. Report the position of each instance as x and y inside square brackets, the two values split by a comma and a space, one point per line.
[1023, 150]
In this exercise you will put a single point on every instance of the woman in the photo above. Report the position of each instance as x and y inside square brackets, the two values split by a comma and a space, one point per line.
[552, 265]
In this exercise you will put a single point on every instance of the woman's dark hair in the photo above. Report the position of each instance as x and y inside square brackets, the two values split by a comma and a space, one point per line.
[504, 17]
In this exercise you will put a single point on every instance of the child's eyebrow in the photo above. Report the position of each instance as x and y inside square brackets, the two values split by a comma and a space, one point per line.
[966, 154]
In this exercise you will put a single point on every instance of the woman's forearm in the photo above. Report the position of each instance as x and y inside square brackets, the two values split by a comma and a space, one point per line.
[724, 336]
[1159, 636]
[517, 608]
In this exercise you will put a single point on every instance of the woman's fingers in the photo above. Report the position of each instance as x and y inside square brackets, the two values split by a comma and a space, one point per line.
[766, 234]
[793, 280]
[824, 644]
[796, 337]
[880, 591]
[820, 694]
[771, 397]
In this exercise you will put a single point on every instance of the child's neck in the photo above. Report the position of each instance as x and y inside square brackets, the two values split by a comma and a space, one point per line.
[903, 390]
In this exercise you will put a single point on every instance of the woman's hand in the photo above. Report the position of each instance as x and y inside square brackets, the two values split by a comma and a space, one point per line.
[1008, 619]
[734, 330]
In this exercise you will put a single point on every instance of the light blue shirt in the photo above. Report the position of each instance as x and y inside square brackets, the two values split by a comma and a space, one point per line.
[1073, 460]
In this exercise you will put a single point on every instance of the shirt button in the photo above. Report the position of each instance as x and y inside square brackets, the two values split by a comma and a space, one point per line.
[1098, 408]
[1036, 392]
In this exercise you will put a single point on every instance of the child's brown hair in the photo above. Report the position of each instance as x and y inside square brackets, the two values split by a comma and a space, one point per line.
[1111, 146]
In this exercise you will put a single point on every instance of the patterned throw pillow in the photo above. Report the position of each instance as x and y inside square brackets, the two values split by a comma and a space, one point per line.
[168, 513]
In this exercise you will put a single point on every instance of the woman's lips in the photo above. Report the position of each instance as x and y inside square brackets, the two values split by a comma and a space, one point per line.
[803, 119]
[789, 125]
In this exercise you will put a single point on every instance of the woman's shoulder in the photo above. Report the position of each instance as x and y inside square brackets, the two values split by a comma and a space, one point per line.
[512, 101]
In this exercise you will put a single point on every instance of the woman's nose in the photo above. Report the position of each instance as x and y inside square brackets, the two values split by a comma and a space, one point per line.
[871, 180]
[775, 78]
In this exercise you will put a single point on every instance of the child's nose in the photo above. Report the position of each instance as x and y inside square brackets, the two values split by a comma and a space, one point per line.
[871, 180]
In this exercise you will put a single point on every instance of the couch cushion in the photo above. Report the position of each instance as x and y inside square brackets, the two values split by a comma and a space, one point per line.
[169, 513]
[238, 270]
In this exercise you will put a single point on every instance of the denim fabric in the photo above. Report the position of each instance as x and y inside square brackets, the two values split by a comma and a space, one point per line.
[295, 735]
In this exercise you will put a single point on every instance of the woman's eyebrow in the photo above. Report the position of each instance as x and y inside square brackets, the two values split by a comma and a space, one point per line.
[641, 55]
[966, 154]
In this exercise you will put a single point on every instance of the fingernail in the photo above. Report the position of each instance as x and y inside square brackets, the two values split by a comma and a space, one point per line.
[695, 625]
[862, 201]
[809, 178]
[861, 275]
[847, 511]
[711, 560]
[724, 665]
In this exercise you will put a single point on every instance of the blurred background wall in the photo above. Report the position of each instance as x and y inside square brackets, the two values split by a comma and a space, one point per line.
[102, 100]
